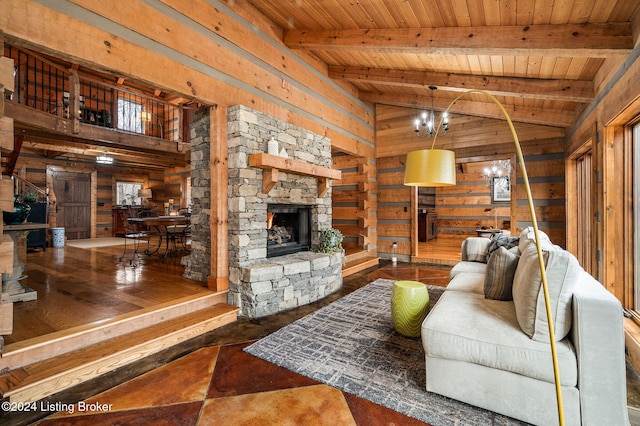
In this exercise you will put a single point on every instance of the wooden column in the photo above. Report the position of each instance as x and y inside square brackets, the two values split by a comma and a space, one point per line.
[6, 194]
[219, 219]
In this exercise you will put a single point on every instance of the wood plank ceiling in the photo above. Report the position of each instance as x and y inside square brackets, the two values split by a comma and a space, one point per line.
[540, 58]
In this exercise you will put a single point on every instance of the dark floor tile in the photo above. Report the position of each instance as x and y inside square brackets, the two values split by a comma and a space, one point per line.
[170, 415]
[239, 373]
[366, 413]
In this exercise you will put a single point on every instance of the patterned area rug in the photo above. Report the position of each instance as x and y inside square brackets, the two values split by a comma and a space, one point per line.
[351, 345]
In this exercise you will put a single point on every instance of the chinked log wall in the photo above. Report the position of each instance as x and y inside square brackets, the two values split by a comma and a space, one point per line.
[354, 206]
[543, 149]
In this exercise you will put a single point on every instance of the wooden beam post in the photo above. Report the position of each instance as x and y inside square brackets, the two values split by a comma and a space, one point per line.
[219, 219]
[74, 100]
[6, 195]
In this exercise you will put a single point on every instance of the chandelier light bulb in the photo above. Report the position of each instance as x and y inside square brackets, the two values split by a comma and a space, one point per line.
[428, 121]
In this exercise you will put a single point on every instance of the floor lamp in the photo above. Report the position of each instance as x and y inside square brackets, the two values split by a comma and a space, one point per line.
[436, 167]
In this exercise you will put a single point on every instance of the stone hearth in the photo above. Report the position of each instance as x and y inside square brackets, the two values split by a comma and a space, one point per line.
[261, 286]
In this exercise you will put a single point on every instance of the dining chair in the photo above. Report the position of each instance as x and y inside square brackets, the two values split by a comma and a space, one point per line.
[179, 237]
[136, 232]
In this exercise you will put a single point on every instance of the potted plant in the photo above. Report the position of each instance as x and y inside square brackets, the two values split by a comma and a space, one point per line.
[30, 197]
[330, 240]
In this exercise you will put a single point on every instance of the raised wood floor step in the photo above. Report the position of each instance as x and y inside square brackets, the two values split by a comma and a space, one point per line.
[359, 264]
[39, 348]
[38, 380]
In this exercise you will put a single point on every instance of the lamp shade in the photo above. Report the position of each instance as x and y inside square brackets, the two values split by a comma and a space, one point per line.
[430, 167]
[144, 193]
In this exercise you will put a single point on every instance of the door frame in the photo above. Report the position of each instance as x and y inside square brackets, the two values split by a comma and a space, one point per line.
[53, 221]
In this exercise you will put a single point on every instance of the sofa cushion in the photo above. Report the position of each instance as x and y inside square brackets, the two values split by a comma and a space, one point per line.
[527, 237]
[562, 270]
[466, 266]
[474, 249]
[501, 269]
[467, 281]
[467, 327]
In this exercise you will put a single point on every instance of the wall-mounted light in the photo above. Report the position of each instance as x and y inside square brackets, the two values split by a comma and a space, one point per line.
[104, 159]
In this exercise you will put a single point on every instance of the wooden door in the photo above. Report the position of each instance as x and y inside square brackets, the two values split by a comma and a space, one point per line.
[73, 203]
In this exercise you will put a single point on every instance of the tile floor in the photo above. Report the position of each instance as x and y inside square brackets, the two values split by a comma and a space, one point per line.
[214, 382]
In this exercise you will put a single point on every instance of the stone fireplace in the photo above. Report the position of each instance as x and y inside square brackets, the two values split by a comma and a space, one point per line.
[272, 270]
[288, 229]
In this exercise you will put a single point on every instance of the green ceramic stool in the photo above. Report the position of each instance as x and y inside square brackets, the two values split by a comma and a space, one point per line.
[409, 307]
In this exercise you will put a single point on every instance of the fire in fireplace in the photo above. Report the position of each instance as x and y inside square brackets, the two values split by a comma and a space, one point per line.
[288, 229]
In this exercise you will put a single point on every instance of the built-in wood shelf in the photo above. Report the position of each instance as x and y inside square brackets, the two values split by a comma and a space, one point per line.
[272, 165]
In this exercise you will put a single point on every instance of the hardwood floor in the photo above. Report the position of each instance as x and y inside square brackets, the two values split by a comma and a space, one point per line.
[79, 286]
[444, 250]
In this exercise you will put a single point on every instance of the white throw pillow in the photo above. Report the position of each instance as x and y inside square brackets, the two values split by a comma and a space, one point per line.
[562, 270]
[527, 237]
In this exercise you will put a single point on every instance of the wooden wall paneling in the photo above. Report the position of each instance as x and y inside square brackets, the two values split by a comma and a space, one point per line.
[320, 111]
[394, 208]
[352, 213]
[547, 181]
[34, 167]
[173, 187]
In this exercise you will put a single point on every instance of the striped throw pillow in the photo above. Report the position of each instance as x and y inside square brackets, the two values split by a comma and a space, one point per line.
[501, 269]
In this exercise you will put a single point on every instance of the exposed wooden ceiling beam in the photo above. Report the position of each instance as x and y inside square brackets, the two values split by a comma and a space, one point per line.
[52, 149]
[558, 90]
[481, 109]
[569, 40]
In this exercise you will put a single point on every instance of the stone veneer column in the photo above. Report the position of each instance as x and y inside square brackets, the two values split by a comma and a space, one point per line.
[198, 263]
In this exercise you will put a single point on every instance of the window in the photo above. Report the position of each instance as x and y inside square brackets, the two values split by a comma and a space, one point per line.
[584, 210]
[636, 212]
[127, 193]
[129, 115]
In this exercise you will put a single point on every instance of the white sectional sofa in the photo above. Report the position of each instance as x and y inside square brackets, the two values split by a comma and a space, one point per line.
[496, 354]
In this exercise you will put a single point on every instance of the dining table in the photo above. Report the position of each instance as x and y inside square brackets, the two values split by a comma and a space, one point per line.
[166, 227]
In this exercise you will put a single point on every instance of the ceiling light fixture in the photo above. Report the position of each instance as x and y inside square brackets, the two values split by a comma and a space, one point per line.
[104, 159]
[498, 168]
[425, 125]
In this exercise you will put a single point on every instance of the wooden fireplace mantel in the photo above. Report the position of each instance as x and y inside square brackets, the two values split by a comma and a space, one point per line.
[272, 164]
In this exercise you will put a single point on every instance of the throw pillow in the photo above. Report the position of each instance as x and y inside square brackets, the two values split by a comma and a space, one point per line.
[500, 272]
[527, 236]
[501, 240]
[474, 249]
[562, 270]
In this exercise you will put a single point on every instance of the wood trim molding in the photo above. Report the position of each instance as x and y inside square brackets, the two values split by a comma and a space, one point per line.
[272, 164]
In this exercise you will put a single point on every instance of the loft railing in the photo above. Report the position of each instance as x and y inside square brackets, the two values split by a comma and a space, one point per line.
[27, 191]
[42, 84]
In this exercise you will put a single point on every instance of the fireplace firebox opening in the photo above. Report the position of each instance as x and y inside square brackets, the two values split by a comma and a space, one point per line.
[288, 229]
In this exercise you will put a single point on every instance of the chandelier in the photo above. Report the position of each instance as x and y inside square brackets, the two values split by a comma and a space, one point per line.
[426, 124]
[498, 168]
